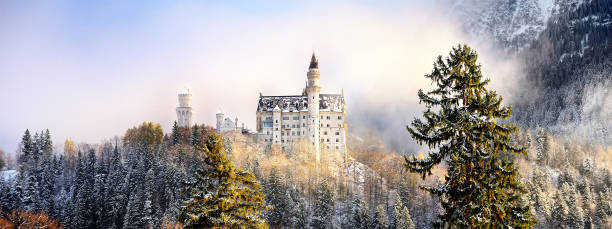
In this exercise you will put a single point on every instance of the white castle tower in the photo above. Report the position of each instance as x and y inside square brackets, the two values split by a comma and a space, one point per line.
[312, 91]
[219, 117]
[184, 112]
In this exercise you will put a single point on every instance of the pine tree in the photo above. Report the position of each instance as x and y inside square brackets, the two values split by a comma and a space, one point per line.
[114, 186]
[359, 212]
[103, 218]
[560, 212]
[47, 186]
[85, 204]
[401, 216]
[323, 211]
[380, 220]
[275, 197]
[482, 188]
[30, 197]
[176, 134]
[302, 213]
[47, 144]
[196, 136]
[148, 211]
[406, 220]
[27, 149]
[221, 194]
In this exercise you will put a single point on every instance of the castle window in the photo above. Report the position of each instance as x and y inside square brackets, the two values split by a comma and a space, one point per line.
[328, 125]
[327, 117]
[293, 125]
[339, 125]
[303, 124]
[276, 128]
[269, 118]
[337, 140]
[267, 124]
[285, 118]
[327, 147]
[328, 140]
[277, 121]
[336, 147]
[296, 118]
[267, 132]
[337, 133]
[303, 116]
[325, 133]
[321, 116]
[339, 117]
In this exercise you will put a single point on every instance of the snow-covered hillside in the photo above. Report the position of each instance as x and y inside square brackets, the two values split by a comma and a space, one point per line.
[511, 24]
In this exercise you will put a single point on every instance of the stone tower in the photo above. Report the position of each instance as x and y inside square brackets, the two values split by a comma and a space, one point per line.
[219, 117]
[312, 91]
[184, 112]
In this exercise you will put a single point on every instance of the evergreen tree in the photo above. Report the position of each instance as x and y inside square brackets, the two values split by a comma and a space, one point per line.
[135, 215]
[30, 196]
[301, 219]
[148, 211]
[103, 218]
[47, 144]
[560, 211]
[401, 216]
[176, 134]
[221, 194]
[359, 212]
[85, 204]
[380, 220]
[323, 211]
[47, 186]
[461, 121]
[114, 186]
[27, 149]
[275, 197]
[405, 220]
[196, 136]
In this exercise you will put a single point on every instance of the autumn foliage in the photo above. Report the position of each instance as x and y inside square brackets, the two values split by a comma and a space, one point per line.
[20, 218]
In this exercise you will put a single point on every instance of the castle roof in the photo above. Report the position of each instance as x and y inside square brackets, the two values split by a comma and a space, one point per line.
[297, 103]
[314, 63]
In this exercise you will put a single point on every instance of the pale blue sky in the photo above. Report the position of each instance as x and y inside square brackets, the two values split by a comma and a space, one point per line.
[91, 70]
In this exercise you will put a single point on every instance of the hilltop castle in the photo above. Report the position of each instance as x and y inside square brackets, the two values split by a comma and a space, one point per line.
[320, 118]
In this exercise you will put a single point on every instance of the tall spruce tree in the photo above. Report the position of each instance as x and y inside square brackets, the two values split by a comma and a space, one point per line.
[359, 214]
[275, 197]
[380, 221]
[176, 134]
[222, 195]
[462, 125]
[27, 150]
[323, 212]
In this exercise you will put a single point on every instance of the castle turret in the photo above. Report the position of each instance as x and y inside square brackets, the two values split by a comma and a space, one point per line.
[219, 116]
[184, 112]
[312, 91]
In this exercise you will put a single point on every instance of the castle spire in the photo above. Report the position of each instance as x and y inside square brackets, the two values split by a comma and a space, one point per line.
[314, 63]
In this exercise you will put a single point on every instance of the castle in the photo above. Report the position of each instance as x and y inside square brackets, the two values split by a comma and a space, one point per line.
[284, 120]
[320, 118]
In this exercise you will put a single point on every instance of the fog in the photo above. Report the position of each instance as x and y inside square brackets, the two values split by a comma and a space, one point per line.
[90, 72]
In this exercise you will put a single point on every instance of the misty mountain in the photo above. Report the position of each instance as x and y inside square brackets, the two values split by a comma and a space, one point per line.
[565, 48]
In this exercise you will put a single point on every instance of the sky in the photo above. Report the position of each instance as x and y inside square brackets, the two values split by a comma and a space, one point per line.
[88, 71]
